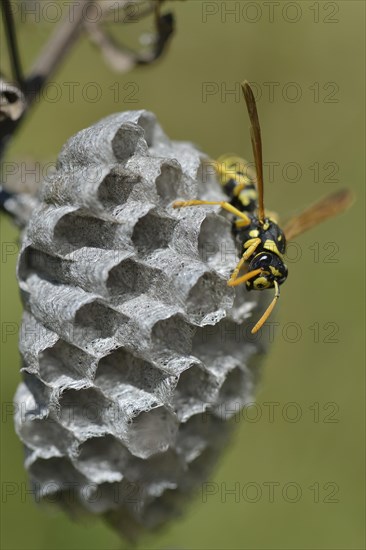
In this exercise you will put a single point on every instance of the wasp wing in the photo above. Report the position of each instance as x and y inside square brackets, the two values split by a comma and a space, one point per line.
[255, 135]
[327, 207]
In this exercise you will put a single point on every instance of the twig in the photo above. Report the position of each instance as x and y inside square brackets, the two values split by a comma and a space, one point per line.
[57, 47]
[12, 42]
[47, 63]
[54, 52]
[121, 58]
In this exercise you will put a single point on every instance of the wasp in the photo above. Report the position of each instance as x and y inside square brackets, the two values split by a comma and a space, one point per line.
[262, 243]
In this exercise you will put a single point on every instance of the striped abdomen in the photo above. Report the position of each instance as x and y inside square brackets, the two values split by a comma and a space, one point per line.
[237, 182]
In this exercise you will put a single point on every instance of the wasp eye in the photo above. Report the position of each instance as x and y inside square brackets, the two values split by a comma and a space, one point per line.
[262, 261]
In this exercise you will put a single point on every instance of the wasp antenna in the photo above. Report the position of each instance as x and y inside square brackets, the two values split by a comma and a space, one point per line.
[268, 311]
[255, 135]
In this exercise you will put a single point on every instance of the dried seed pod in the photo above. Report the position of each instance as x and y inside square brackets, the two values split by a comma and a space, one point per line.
[12, 101]
[135, 351]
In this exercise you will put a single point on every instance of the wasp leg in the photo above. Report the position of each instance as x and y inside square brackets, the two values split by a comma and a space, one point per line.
[254, 243]
[245, 278]
[225, 205]
[240, 223]
[243, 259]
[235, 273]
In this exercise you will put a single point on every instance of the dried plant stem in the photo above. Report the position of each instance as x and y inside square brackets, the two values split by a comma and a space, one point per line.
[56, 48]
[61, 42]
[47, 63]
[12, 42]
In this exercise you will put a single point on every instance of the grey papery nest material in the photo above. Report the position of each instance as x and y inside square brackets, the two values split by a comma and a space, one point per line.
[135, 351]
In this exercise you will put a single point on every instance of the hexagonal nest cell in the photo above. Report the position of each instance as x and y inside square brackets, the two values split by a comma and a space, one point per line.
[130, 345]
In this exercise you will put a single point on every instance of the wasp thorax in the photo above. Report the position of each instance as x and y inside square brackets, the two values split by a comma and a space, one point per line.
[273, 269]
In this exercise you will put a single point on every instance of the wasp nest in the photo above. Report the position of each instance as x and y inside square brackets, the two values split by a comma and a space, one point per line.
[135, 351]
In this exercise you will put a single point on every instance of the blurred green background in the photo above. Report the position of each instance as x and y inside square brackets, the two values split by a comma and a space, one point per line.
[312, 55]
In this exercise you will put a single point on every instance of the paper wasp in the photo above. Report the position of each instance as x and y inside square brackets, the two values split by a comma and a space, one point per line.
[262, 242]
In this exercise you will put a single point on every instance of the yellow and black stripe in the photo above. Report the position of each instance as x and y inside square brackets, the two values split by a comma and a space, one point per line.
[237, 182]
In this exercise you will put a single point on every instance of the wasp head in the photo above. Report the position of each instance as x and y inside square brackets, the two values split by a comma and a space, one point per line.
[273, 269]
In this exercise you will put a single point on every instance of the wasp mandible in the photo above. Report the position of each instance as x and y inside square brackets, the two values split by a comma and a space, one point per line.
[262, 242]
